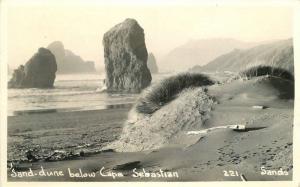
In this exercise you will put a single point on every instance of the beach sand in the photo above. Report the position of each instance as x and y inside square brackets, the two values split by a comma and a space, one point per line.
[219, 155]
[77, 131]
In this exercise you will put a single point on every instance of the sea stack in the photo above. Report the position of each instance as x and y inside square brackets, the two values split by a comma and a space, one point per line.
[38, 72]
[68, 62]
[125, 55]
[151, 63]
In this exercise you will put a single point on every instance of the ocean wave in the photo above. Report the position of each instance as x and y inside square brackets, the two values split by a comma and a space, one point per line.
[81, 80]
[101, 89]
[41, 94]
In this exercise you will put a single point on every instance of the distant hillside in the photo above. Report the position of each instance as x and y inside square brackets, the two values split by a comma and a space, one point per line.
[68, 62]
[276, 54]
[200, 52]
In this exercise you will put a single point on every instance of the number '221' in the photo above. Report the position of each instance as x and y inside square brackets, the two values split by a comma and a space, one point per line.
[230, 173]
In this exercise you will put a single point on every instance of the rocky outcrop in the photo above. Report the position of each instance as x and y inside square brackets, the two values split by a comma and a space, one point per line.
[58, 49]
[125, 55]
[151, 63]
[68, 62]
[38, 72]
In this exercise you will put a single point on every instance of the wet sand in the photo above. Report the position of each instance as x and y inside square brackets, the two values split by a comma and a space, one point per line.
[77, 131]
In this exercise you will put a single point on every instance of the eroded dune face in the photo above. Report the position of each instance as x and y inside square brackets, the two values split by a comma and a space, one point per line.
[189, 111]
[222, 105]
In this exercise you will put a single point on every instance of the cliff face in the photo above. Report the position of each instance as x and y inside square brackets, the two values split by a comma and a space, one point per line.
[125, 55]
[276, 54]
[68, 62]
[38, 72]
[151, 63]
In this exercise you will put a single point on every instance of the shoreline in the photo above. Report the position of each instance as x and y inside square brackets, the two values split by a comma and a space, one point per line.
[65, 110]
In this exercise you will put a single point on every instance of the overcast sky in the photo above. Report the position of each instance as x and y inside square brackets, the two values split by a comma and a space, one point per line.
[81, 28]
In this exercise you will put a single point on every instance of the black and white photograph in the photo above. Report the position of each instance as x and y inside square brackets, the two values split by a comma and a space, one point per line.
[149, 92]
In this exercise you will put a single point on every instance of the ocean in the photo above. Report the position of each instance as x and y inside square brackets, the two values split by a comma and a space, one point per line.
[71, 92]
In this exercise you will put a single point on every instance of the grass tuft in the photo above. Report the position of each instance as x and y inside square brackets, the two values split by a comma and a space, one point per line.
[257, 71]
[157, 95]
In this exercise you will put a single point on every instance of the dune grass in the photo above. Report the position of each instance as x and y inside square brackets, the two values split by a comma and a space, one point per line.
[157, 95]
[257, 71]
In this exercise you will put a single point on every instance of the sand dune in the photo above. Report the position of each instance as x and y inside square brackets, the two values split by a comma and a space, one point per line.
[189, 111]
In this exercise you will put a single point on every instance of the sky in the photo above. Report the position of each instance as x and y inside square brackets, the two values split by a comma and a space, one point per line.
[81, 28]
